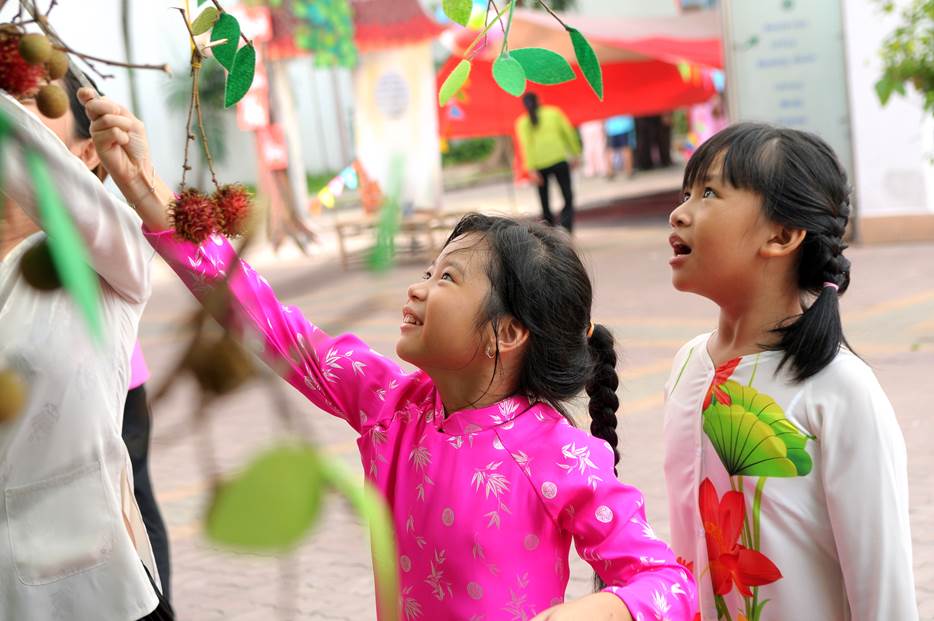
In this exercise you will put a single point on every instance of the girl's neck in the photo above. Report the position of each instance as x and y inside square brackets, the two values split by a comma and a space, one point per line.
[463, 391]
[747, 324]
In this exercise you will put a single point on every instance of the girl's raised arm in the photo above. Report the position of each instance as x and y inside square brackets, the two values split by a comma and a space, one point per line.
[342, 375]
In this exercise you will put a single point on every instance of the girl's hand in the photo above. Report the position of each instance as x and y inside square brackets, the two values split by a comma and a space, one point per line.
[596, 607]
[121, 143]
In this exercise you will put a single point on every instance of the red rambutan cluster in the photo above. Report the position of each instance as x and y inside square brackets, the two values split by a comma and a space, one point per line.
[17, 77]
[195, 215]
[192, 215]
[232, 206]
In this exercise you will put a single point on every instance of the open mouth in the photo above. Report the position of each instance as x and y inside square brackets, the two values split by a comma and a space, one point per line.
[410, 319]
[680, 248]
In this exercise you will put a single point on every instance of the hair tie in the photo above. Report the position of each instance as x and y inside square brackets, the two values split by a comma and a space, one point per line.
[590, 330]
[832, 285]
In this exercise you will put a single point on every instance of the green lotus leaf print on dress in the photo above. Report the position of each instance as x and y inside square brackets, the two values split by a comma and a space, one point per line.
[753, 437]
[768, 411]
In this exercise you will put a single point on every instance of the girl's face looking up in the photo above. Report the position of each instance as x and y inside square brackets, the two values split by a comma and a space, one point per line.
[441, 329]
[718, 236]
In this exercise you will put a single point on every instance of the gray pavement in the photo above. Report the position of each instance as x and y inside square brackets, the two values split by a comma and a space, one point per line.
[889, 316]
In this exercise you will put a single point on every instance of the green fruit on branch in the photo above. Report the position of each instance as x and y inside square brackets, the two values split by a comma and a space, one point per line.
[38, 269]
[221, 367]
[12, 395]
[52, 101]
[57, 65]
[35, 48]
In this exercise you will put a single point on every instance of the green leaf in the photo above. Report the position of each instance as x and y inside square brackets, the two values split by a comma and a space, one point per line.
[543, 66]
[746, 446]
[371, 506]
[884, 89]
[241, 75]
[227, 27]
[587, 60]
[510, 75]
[271, 505]
[454, 82]
[68, 252]
[753, 437]
[458, 10]
[205, 21]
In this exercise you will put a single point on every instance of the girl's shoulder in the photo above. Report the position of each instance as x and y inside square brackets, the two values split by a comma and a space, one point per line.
[847, 392]
[694, 351]
[697, 343]
[846, 372]
[547, 437]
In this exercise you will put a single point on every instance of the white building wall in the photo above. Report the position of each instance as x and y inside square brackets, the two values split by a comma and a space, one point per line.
[892, 145]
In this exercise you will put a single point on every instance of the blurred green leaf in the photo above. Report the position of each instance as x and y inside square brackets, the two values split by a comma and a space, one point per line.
[271, 505]
[588, 62]
[510, 75]
[241, 75]
[543, 66]
[67, 248]
[454, 82]
[205, 21]
[227, 27]
[371, 506]
[458, 10]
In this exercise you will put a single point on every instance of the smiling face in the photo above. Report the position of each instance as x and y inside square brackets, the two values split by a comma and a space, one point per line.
[440, 330]
[718, 235]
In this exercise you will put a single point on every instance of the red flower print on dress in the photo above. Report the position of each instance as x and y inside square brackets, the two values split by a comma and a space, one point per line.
[722, 374]
[730, 562]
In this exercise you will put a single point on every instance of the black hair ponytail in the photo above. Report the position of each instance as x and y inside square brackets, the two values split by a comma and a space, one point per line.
[603, 400]
[811, 342]
[530, 101]
[803, 186]
[602, 389]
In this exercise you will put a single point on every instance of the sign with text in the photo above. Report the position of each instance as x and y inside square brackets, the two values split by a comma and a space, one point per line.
[786, 65]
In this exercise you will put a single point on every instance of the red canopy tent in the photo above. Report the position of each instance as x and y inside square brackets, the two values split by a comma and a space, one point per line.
[644, 69]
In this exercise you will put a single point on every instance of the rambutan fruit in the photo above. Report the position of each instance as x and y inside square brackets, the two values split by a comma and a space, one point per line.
[192, 215]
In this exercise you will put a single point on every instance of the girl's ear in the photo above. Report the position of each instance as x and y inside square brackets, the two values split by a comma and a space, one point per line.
[86, 150]
[783, 242]
[513, 336]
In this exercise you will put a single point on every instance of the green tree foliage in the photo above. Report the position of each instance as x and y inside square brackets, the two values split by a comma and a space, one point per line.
[908, 53]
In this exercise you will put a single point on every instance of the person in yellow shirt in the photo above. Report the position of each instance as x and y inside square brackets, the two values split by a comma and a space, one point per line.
[549, 146]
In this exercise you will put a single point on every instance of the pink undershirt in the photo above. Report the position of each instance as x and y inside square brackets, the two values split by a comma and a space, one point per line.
[139, 372]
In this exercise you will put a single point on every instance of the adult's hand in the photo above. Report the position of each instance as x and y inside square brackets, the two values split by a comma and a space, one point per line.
[120, 139]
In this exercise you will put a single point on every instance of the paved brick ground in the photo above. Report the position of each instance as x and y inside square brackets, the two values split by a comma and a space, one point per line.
[889, 314]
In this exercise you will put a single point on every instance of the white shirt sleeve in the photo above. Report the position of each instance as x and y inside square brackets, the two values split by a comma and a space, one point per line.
[110, 228]
[865, 479]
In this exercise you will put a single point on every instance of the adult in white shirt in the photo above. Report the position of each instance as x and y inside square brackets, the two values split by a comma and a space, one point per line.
[72, 543]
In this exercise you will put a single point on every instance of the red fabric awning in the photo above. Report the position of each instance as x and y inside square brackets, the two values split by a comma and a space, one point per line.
[380, 24]
[636, 88]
